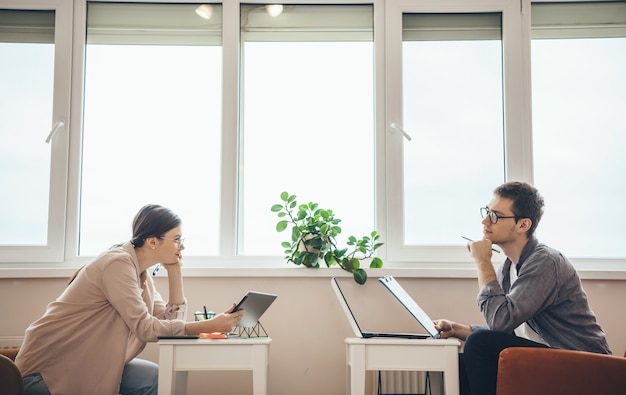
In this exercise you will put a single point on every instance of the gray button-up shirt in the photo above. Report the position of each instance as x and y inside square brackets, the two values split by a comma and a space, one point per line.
[547, 295]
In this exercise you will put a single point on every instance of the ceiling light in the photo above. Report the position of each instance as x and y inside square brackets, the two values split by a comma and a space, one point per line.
[274, 10]
[205, 11]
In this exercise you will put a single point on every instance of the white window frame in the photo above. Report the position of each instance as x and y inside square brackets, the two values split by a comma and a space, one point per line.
[517, 119]
[59, 258]
[53, 251]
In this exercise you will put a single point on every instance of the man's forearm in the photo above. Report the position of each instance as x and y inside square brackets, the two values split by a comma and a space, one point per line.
[486, 273]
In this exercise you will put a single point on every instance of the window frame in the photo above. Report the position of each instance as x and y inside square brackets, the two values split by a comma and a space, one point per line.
[58, 137]
[517, 121]
[59, 258]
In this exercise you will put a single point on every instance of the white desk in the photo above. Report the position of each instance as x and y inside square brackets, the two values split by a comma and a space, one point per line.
[177, 357]
[434, 355]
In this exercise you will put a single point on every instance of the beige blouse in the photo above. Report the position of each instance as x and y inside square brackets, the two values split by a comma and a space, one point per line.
[101, 321]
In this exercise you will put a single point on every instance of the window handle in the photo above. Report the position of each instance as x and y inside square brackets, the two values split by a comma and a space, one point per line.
[57, 126]
[399, 129]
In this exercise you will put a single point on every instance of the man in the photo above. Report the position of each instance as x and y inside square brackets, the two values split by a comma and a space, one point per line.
[534, 299]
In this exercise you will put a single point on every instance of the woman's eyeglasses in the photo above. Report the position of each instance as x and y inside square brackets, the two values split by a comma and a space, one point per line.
[177, 240]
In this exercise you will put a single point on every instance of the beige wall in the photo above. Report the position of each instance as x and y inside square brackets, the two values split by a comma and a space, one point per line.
[305, 323]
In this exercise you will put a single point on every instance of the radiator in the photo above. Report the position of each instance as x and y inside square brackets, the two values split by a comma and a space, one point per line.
[400, 382]
[10, 341]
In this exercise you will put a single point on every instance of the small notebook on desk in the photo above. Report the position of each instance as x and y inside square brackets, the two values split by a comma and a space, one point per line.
[358, 332]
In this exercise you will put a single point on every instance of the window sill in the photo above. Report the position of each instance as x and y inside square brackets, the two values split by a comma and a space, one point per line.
[421, 271]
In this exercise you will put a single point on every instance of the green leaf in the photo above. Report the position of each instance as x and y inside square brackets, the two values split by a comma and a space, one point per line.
[285, 244]
[295, 235]
[284, 196]
[378, 245]
[377, 263]
[282, 225]
[360, 276]
[330, 259]
[276, 208]
[346, 264]
[341, 253]
[301, 215]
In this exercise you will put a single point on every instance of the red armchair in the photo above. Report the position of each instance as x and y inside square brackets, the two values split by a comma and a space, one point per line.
[10, 377]
[541, 371]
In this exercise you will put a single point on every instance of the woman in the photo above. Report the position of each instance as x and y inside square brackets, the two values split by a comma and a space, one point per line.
[88, 339]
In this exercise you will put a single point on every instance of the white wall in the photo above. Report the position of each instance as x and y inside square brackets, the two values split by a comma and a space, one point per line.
[305, 323]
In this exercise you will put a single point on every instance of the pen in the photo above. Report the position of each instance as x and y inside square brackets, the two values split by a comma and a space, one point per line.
[156, 269]
[468, 239]
[206, 315]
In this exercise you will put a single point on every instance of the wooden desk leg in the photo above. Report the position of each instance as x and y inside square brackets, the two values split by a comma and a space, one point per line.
[356, 369]
[451, 372]
[166, 369]
[260, 369]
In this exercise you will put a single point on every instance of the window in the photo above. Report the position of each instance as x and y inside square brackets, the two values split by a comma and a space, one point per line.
[27, 73]
[446, 130]
[307, 123]
[400, 115]
[579, 133]
[152, 121]
[33, 134]
[450, 70]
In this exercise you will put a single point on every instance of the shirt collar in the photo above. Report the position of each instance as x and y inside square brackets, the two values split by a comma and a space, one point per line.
[526, 251]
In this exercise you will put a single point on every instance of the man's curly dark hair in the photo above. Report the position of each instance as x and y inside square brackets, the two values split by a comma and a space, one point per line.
[527, 202]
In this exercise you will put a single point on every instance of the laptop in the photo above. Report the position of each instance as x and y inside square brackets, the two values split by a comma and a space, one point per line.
[411, 305]
[254, 305]
[358, 332]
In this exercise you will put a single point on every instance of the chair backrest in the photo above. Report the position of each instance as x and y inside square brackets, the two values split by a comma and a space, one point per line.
[10, 352]
[541, 371]
[10, 377]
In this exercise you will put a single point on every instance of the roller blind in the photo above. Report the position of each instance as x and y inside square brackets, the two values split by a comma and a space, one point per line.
[157, 24]
[308, 23]
[451, 27]
[26, 26]
[578, 20]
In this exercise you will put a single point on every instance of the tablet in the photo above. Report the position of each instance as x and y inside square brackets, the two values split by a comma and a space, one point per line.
[254, 305]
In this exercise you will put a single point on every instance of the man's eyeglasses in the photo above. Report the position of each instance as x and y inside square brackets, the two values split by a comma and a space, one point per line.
[494, 217]
[177, 240]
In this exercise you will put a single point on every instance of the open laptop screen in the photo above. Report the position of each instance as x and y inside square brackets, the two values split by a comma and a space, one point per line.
[411, 305]
[366, 301]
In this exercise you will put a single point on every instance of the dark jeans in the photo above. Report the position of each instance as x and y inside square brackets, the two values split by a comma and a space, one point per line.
[478, 364]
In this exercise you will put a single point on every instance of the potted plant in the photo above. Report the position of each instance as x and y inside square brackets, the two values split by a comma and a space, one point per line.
[314, 234]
